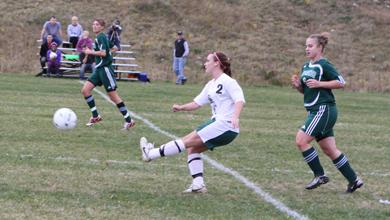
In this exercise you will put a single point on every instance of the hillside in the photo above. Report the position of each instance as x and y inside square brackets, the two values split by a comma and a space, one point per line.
[265, 39]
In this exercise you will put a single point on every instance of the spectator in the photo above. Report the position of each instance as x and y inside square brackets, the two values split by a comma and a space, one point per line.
[85, 41]
[53, 60]
[74, 31]
[52, 27]
[180, 54]
[87, 63]
[45, 46]
[114, 35]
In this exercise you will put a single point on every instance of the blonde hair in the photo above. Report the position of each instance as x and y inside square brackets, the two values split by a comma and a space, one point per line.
[322, 39]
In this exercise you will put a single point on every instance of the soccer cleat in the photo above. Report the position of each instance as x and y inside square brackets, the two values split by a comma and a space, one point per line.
[128, 125]
[317, 181]
[145, 148]
[196, 189]
[355, 185]
[94, 120]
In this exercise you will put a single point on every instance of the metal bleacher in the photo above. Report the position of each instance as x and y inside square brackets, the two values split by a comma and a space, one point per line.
[124, 64]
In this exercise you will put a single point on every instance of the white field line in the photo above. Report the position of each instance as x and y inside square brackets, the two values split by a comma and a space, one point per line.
[264, 195]
[276, 170]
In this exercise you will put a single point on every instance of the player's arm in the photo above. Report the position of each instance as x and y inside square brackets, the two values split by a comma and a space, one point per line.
[238, 106]
[333, 84]
[100, 53]
[296, 83]
[186, 107]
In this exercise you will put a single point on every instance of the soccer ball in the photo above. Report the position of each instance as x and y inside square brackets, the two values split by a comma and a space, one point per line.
[52, 55]
[64, 119]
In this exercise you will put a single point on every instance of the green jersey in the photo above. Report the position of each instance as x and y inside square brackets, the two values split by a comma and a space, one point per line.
[102, 44]
[320, 70]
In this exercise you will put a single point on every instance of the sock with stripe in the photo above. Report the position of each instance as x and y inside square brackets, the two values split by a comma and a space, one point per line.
[342, 164]
[195, 165]
[122, 108]
[91, 103]
[312, 159]
[169, 149]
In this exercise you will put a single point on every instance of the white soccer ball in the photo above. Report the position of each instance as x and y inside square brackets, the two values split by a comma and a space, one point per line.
[64, 119]
[53, 55]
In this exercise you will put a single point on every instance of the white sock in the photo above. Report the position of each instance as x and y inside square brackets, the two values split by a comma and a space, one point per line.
[169, 149]
[195, 165]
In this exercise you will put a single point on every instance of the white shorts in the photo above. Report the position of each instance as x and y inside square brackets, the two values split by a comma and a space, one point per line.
[216, 133]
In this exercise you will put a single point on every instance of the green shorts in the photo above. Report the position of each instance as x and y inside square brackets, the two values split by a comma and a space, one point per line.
[215, 133]
[104, 76]
[319, 122]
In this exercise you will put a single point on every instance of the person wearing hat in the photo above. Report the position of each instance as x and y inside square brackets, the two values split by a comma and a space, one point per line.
[180, 54]
[53, 60]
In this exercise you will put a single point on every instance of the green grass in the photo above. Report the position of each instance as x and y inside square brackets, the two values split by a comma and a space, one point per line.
[98, 174]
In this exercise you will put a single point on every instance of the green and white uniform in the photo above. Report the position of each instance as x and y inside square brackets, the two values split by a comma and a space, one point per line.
[319, 102]
[221, 93]
[104, 73]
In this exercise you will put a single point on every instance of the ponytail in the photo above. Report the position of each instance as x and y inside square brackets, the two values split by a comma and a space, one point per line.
[322, 39]
[224, 62]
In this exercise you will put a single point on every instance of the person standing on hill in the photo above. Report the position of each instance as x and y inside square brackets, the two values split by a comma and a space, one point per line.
[226, 99]
[74, 31]
[180, 54]
[103, 75]
[318, 78]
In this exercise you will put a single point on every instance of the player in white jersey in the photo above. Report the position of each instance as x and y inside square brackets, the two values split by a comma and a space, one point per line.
[227, 100]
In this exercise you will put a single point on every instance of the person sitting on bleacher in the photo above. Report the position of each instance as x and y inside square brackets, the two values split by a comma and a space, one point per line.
[45, 46]
[114, 35]
[53, 60]
[85, 41]
[74, 31]
[87, 63]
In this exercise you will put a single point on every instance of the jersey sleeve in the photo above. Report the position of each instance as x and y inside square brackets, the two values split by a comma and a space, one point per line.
[330, 73]
[202, 98]
[235, 91]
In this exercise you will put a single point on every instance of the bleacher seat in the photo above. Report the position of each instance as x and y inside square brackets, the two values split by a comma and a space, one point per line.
[124, 64]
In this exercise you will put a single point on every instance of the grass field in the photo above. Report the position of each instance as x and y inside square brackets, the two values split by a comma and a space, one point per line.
[98, 173]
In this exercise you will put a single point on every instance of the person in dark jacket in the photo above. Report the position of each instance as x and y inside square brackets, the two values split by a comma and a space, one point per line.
[45, 46]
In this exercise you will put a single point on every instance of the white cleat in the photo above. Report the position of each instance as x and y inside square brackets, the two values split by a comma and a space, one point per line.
[196, 189]
[145, 148]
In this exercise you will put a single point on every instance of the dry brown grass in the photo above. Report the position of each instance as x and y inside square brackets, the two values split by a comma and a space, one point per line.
[264, 38]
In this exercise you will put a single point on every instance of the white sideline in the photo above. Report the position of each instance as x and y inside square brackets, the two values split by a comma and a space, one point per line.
[264, 195]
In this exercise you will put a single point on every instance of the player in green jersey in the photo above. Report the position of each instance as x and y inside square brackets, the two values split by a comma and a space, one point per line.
[318, 78]
[103, 75]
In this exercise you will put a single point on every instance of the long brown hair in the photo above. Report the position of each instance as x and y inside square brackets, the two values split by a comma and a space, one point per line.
[100, 21]
[223, 61]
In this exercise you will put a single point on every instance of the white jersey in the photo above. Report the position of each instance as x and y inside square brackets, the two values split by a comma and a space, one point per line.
[221, 93]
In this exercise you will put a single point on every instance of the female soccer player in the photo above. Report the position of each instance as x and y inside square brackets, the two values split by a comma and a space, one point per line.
[226, 99]
[104, 75]
[318, 78]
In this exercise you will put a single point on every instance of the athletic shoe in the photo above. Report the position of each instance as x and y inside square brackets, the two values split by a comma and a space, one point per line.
[317, 181]
[145, 148]
[196, 189]
[93, 121]
[183, 81]
[355, 185]
[128, 125]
